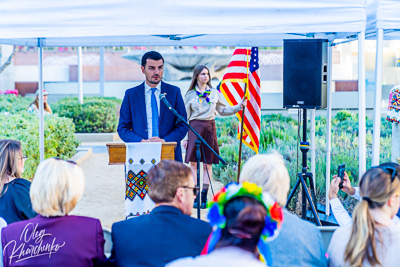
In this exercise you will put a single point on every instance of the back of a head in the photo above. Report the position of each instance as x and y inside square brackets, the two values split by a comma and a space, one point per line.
[376, 188]
[391, 165]
[245, 220]
[165, 178]
[269, 172]
[10, 155]
[57, 187]
[151, 55]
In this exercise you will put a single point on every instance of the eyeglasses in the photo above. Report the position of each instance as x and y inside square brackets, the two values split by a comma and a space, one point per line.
[24, 157]
[389, 169]
[195, 189]
[69, 161]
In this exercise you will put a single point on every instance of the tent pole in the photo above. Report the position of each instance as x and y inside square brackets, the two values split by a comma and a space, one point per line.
[328, 130]
[378, 98]
[312, 150]
[80, 81]
[101, 65]
[362, 152]
[41, 104]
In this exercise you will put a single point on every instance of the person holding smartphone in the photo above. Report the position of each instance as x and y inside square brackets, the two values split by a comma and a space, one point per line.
[339, 212]
[374, 238]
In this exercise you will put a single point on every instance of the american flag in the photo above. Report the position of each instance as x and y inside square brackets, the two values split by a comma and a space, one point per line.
[242, 71]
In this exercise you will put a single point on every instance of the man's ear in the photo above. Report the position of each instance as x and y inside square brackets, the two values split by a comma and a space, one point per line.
[179, 194]
[142, 69]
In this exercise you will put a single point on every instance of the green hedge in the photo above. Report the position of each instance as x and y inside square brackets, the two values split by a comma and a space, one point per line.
[14, 104]
[95, 115]
[60, 140]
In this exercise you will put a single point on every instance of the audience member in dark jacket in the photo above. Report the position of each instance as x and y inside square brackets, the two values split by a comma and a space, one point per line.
[168, 232]
[53, 238]
[15, 203]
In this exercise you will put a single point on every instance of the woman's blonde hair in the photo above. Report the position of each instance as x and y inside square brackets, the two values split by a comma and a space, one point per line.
[57, 187]
[46, 105]
[376, 188]
[197, 70]
[10, 155]
[269, 172]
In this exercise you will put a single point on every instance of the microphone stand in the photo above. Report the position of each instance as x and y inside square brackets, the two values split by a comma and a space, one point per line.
[198, 142]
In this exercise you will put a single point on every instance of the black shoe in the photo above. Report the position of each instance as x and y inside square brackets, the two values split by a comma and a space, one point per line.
[204, 199]
[195, 204]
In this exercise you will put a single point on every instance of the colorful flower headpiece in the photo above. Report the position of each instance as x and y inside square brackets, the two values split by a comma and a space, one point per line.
[273, 219]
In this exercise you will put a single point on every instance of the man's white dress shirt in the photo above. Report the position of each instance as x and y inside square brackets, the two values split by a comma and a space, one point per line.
[147, 95]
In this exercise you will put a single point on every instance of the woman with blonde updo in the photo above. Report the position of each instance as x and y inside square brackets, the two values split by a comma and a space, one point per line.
[55, 238]
[373, 239]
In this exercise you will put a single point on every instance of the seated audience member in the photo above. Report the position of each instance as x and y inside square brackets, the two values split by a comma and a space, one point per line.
[243, 221]
[341, 215]
[373, 238]
[168, 232]
[3, 224]
[299, 242]
[15, 203]
[53, 238]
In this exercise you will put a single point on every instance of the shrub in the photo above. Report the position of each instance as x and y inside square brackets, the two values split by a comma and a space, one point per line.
[343, 115]
[95, 115]
[14, 104]
[60, 140]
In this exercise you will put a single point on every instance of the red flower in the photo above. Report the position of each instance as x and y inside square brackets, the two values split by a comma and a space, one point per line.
[218, 193]
[276, 213]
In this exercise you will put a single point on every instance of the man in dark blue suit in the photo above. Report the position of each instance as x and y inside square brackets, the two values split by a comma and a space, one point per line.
[143, 118]
[168, 232]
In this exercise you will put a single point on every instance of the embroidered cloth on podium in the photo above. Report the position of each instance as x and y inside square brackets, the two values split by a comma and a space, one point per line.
[393, 114]
[140, 157]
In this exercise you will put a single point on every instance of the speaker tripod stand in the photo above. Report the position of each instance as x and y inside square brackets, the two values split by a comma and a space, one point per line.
[302, 178]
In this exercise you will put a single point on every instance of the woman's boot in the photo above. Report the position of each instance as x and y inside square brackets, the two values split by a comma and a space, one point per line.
[204, 199]
[196, 203]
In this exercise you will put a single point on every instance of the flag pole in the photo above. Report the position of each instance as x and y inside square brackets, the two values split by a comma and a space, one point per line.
[242, 121]
[241, 136]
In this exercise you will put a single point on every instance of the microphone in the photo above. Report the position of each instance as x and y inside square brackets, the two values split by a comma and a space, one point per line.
[165, 101]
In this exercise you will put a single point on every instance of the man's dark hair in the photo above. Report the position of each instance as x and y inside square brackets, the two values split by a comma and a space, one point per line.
[151, 55]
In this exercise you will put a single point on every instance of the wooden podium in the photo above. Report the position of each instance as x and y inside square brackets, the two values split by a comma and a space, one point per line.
[117, 152]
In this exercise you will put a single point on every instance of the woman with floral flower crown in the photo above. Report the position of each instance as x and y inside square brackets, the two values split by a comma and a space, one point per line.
[202, 103]
[243, 221]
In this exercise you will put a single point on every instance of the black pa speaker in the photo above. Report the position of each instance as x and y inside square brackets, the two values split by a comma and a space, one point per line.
[305, 73]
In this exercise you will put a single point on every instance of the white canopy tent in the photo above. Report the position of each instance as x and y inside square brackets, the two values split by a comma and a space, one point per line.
[383, 23]
[187, 23]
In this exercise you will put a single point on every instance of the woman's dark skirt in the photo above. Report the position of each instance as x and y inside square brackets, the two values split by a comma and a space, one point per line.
[208, 131]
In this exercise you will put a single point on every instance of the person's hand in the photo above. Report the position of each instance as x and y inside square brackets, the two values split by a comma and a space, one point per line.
[244, 103]
[334, 188]
[145, 140]
[347, 188]
[185, 144]
[156, 139]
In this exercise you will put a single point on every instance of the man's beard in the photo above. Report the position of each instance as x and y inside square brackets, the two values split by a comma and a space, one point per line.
[154, 82]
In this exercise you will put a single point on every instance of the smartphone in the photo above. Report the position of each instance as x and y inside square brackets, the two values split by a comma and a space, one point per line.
[341, 170]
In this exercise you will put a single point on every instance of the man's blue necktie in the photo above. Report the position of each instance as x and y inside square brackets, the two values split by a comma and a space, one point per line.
[154, 113]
